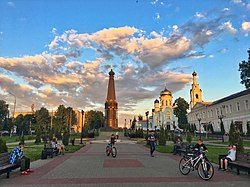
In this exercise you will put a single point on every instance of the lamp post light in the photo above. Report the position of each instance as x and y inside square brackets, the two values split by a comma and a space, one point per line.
[199, 120]
[222, 125]
[147, 121]
[13, 115]
[82, 127]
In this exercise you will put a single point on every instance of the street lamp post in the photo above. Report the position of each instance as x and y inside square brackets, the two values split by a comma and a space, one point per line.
[147, 121]
[221, 125]
[199, 119]
[13, 115]
[82, 127]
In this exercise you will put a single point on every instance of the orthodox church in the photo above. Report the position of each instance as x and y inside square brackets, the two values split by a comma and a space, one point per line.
[162, 114]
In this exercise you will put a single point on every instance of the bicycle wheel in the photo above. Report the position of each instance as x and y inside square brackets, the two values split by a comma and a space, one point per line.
[107, 151]
[205, 170]
[184, 166]
[114, 152]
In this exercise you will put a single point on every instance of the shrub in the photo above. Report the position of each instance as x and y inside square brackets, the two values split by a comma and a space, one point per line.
[21, 139]
[248, 129]
[65, 138]
[189, 137]
[3, 147]
[162, 137]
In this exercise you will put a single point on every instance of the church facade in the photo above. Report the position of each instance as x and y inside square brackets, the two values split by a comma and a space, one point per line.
[162, 113]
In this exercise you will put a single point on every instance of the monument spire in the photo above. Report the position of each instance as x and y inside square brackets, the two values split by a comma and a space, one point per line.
[111, 104]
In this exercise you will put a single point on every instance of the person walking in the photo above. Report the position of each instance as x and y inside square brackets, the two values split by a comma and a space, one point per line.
[152, 141]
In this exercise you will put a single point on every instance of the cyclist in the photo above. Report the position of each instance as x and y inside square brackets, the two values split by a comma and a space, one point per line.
[199, 147]
[111, 144]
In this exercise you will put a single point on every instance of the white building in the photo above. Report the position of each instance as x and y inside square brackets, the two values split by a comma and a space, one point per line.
[235, 107]
[163, 114]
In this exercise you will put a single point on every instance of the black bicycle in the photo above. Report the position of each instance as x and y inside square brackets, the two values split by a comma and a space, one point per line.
[204, 168]
[111, 150]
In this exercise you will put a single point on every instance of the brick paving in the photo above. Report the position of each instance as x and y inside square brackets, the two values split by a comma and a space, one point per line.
[132, 167]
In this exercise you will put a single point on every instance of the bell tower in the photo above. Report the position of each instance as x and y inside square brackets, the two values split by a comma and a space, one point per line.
[111, 105]
[195, 92]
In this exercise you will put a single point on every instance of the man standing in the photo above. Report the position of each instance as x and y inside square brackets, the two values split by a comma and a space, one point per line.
[152, 139]
[17, 157]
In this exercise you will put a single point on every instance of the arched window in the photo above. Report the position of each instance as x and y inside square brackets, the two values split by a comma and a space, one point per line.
[167, 115]
[197, 96]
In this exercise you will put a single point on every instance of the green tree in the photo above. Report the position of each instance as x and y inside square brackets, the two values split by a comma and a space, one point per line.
[248, 128]
[244, 68]
[94, 119]
[133, 124]
[162, 137]
[60, 121]
[235, 138]
[222, 129]
[3, 147]
[189, 138]
[42, 123]
[65, 137]
[4, 114]
[232, 132]
[181, 111]
[70, 118]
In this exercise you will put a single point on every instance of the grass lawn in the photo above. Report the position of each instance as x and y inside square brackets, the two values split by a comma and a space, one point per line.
[9, 139]
[245, 143]
[213, 152]
[33, 151]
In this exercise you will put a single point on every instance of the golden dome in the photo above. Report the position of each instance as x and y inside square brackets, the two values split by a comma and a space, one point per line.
[166, 92]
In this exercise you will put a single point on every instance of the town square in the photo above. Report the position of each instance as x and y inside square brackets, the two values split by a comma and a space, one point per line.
[124, 93]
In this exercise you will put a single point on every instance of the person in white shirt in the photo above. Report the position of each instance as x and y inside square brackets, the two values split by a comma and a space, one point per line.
[231, 156]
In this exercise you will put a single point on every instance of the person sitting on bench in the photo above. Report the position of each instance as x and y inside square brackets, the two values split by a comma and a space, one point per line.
[17, 157]
[231, 156]
[177, 145]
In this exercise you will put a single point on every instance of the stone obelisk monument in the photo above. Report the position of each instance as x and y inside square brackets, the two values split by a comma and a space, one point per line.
[111, 105]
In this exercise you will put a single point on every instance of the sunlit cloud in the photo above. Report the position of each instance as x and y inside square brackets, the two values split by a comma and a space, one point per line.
[245, 27]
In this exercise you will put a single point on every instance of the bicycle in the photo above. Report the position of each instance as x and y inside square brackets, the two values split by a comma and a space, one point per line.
[204, 168]
[111, 149]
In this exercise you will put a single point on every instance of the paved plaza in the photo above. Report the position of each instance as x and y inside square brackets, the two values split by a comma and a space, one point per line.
[132, 167]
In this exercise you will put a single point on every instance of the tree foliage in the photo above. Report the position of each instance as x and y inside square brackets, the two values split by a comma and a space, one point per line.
[235, 138]
[42, 123]
[162, 137]
[244, 68]
[4, 114]
[181, 111]
[94, 119]
[3, 147]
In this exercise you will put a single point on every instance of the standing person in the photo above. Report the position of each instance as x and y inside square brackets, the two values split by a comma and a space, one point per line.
[112, 139]
[152, 140]
[231, 156]
[117, 135]
[17, 157]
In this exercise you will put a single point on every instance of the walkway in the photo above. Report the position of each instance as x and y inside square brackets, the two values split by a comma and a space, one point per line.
[132, 167]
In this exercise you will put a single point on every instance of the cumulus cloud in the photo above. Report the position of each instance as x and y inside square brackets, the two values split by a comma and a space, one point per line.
[199, 15]
[64, 74]
[11, 4]
[245, 27]
[228, 27]
[157, 16]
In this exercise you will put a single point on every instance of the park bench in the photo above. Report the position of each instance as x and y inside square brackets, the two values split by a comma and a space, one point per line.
[185, 148]
[48, 151]
[5, 166]
[242, 162]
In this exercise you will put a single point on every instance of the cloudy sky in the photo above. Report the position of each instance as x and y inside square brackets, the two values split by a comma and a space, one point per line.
[60, 52]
